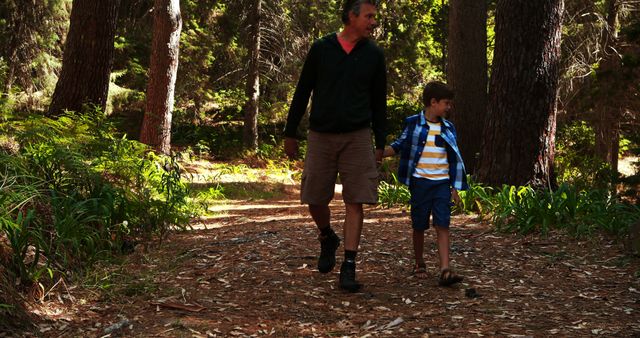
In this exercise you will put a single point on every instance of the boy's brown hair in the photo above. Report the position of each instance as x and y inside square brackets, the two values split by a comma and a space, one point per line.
[436, 90]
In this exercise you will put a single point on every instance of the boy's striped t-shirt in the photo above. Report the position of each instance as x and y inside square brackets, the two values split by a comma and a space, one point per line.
[433, 162]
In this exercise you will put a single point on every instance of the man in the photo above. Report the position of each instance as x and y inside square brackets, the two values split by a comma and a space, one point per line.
[346, 73]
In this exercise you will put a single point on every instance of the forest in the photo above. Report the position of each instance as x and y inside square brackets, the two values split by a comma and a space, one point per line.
[145, 137]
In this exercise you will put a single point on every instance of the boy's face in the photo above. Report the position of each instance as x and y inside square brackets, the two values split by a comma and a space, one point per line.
[441, 107]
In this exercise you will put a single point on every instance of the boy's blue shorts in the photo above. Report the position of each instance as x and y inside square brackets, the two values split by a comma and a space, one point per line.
[429, 197]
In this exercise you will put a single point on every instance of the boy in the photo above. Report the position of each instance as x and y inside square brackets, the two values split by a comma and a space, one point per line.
[430, 163]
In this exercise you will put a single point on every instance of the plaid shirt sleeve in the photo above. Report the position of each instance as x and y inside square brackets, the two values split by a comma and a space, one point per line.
[401, 141]
[402, 146]
[457, 171]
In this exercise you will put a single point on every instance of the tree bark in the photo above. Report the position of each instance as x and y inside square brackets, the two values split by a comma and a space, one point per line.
[88, 56]
[22, 20]
[467, 74]
[156, 125]
[607, 122]
[519, 136]
[251, 110]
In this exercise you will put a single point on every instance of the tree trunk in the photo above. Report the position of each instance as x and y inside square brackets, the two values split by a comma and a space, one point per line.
[607, 127]
[23, 17]
[156, 125]
[467, 74]
[253, 79]
[88, 55]
[519, 136]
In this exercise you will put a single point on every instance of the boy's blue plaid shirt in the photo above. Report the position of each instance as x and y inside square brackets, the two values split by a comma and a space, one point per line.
[412, 141]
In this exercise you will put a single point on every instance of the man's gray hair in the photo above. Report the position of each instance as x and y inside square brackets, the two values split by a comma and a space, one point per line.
[354, 6]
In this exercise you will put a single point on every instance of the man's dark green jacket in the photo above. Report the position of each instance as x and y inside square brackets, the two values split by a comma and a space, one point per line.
[349, 90]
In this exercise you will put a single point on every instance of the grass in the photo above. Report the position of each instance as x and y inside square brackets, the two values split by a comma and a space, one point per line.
[526, 210]
[213, 183]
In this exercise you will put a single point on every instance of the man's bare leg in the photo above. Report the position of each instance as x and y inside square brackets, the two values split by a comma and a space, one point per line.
[321, 215]
[353, 226]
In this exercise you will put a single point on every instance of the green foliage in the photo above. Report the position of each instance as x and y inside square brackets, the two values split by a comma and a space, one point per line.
[632, 31]
[205, 197]
[414, 38]
[394, 193]
[527, 210]
[30, 43]
[397, 111]
[473, 200]
[4, 67]
[74, 192]
[580, 212]
[575, 160]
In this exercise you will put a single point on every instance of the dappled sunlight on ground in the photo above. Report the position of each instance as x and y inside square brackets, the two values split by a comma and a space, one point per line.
[627, 166]
[250, 270]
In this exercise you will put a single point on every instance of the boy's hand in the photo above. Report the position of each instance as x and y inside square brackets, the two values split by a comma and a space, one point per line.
[455, 196]
[388, 151]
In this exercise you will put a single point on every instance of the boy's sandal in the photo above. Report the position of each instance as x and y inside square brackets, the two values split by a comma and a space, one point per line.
[420, 271]
[448, 278]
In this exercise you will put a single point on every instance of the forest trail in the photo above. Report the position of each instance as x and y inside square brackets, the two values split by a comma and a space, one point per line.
[250, 271]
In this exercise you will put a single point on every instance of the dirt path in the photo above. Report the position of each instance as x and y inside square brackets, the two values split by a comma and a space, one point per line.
[251, 273]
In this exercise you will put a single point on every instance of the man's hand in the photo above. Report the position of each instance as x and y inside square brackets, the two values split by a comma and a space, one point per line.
[455, 196]
[379, 153]
[291, 147]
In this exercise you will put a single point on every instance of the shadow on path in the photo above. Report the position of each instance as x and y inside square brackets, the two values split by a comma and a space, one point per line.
[251, 272]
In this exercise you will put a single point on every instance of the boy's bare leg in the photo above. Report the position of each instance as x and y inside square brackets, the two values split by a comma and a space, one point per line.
[418, 249]
[353, 226]
[447, 276]
[443, 246]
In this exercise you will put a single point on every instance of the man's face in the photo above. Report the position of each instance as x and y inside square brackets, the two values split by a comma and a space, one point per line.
[365, 23]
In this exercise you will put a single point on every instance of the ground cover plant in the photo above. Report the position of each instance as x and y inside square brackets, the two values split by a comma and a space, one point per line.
[72, 192]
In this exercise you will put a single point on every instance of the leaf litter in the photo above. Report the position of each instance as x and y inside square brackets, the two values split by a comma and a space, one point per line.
[252, 274]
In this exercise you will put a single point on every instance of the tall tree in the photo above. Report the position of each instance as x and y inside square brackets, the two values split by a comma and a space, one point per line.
[253, 79]
[156, 125]
[607, 119]
[467, 73]
[519, 136]
[28, 39]
[88, 55]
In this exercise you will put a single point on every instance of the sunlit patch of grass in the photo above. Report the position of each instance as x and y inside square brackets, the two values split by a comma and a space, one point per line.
[212, 183]
[253, 190]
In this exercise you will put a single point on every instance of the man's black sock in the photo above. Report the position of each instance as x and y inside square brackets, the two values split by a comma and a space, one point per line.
[350, 256]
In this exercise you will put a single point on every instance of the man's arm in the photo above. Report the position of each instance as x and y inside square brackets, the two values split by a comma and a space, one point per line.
[300, 100]
[299, 103]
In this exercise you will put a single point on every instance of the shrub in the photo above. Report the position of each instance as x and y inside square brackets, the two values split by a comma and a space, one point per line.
[575, 161]
[75, 192]
[394, 193]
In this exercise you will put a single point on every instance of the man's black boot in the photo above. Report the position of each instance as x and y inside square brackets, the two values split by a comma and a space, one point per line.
[348, 277]
[328, 245]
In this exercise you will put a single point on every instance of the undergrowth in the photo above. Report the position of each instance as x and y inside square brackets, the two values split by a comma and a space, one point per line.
[525, 210]
[71, 192]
